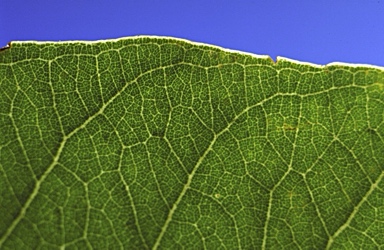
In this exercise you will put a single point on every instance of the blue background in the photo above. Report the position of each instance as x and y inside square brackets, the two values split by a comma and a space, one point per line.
[313, 31]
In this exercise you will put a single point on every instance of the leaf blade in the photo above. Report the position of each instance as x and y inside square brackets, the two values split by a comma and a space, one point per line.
[158, 142]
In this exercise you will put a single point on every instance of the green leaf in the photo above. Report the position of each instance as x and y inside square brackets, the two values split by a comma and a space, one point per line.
[160, 143]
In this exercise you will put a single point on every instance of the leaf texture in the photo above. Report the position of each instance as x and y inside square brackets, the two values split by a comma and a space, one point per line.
[161, 143]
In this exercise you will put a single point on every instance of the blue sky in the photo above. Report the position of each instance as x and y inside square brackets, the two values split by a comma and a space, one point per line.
[313, 31]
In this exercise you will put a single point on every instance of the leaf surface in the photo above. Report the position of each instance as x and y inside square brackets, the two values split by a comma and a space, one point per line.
[160, 143]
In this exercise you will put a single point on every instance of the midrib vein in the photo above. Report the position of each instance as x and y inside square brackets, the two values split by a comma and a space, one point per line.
[183, 192]
[199, 162]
